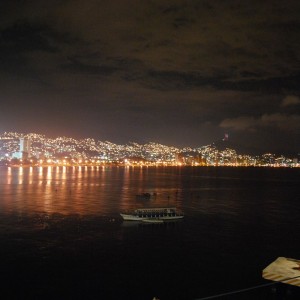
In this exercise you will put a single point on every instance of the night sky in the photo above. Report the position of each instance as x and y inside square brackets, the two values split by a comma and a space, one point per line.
[180, 73]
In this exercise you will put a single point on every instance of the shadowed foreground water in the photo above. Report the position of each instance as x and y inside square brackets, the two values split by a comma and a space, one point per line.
[61, 236]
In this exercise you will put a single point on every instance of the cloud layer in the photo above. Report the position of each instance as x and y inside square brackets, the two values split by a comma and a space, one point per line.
[179, 72]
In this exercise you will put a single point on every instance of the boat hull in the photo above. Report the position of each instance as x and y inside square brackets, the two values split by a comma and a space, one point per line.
[129, 217]
[155, 221]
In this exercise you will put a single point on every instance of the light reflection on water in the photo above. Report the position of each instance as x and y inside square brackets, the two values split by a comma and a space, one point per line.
[109, 190]
[236, 222]
[83, 190]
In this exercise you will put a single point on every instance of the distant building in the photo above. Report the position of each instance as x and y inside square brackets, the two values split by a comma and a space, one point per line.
[24, 151]
[25, 145]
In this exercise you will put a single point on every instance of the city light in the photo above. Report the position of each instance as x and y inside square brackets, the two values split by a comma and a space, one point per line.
[36, 149]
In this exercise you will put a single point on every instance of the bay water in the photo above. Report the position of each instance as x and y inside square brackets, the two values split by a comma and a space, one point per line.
[62, 237]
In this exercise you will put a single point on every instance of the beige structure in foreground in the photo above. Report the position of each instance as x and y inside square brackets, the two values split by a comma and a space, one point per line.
[286, 270]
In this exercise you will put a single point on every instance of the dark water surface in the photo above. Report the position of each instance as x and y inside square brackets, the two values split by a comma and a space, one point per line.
[61, 236]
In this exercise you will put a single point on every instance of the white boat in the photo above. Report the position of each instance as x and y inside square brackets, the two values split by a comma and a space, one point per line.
[154, 214]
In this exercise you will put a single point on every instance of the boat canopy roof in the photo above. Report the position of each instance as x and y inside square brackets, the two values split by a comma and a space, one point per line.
[157, 209]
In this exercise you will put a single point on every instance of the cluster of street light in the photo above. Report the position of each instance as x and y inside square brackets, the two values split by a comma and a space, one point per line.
[70, 151]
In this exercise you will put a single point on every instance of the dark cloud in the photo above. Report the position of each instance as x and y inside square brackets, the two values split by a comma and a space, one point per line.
[186, 70]
[281, 121]
[24, 36]
[77, 66]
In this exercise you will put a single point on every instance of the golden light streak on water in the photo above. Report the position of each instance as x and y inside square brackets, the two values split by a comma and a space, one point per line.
[9, 175]
[20, 175]
[30, 175]
[49, 175]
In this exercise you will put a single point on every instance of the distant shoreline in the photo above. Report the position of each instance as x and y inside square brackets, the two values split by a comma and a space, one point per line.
[148, 165]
